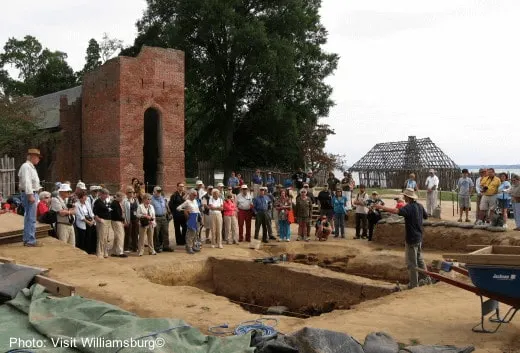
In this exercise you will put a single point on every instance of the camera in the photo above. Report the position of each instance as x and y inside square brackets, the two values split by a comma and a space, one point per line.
[484, 188]
[70, 205]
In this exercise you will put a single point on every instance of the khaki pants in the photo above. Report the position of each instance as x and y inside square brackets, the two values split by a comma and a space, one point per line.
[148, 231]
[103, 233]
[256, 189]
[216, 228]
[119, 237]
[66, 234]
[231, 229]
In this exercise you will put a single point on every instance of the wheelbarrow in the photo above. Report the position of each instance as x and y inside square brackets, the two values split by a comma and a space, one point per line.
[495, 274]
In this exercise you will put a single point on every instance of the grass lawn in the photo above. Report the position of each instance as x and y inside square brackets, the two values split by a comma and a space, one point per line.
[445, 195]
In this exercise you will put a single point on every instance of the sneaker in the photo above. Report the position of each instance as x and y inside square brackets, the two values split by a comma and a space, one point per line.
[140, 254]
[307, 239]
[123, 255]
[220, 246]
[287, 240]
[33, 245]
[154, 253]
[168, 250]
[213, 246]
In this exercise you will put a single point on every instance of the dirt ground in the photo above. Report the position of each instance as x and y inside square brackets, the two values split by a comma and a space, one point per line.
[436, 314]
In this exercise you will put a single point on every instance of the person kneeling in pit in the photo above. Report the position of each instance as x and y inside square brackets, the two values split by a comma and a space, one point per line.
[323, 228]
[414, 214]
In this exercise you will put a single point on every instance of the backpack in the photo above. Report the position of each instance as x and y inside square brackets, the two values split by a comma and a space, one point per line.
[49, 217]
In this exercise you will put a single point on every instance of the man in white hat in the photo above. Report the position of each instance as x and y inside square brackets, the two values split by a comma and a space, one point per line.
[65, 215]
[28, 186]
[161, 233]
[414, 214]
[94, 191]
[199, 186]
[245, 213]
[432, 184]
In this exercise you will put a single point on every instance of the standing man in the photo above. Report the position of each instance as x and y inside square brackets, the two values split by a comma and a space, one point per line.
[432, 184]
[257, 182]
[332, 182]
[413, 214]
[29, 186]
[94, 190]
[65, 215]
[245, 213]
[103, 220]
[161, 236]
[270, 182]
[233, 183]
[465, 190]
[482, 173]
[190, 210]
[179, 218]
[261, 208]
[489, 186]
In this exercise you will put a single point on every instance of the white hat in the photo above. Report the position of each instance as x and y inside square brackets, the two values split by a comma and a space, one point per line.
[157, 188]
[244, 186]
[220, 185]
[81, 185]
[431, 171]
[64, 188]
[95, 187]
[199, 182]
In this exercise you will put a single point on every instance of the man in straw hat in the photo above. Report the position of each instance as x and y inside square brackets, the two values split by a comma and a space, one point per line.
[29, 186]
[414, 214]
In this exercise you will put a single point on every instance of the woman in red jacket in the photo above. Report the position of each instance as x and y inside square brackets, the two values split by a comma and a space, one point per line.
[44, 204]
[230, 220]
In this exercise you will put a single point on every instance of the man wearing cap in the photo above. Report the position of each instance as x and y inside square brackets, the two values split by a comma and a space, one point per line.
[65, 215]
[432, 184]
[260, 209]
[199, 186]
[245, 213]
[179, 218]
[29, 186]
[94, 190]
[414, 214]
[161, 236]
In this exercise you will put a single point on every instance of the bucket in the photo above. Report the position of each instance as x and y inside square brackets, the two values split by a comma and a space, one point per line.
[255, 244]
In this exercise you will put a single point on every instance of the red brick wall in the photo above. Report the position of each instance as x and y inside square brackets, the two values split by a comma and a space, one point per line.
[115, 97]
[67, 161]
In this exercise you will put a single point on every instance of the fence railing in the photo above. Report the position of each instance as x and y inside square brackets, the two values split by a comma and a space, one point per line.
[7, 176]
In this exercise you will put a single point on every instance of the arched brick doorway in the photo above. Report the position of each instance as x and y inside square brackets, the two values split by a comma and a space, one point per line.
[152, 159]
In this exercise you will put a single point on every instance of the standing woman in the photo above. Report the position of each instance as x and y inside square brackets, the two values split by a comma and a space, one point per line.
[118, 224]
[230, 219]
[215, 205]
[303, 215]
[132, 223]
[339, 204]
[85, 224]
[146, 216]
[284, 205]
[503, 196]
[515, 198]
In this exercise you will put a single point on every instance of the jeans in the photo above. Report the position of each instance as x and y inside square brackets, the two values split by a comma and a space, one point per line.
[284, 229]
[339, 224]
[516, 212]
[361, 222]
[29, 220]
[414, 259]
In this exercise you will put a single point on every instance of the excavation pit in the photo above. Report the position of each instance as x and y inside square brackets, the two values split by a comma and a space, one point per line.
[304, 290]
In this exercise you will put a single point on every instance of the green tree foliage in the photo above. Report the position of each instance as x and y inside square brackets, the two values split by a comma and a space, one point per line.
[313, 143]
[41, 71]
[255, 73]
[92, 59]
[20, 129]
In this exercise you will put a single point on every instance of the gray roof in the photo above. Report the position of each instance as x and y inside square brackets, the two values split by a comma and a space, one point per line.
[48, 107]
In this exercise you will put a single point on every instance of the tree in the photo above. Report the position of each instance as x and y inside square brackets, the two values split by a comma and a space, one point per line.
[41, 71]
[312, 150]
[92, 58]
[109, 47]
[19, 126]
[254, 75]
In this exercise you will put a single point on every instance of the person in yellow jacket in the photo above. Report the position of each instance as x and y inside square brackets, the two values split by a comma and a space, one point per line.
[489, 187]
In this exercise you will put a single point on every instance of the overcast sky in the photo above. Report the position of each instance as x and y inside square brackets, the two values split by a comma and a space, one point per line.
[444, 69]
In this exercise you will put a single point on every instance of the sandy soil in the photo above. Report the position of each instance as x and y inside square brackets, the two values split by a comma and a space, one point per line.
[438, 314]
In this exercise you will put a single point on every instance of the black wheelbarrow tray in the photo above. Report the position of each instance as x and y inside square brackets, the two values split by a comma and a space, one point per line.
[495, 274]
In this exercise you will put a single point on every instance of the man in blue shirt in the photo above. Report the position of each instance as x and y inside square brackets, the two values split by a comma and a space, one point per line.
[161, 236]
[270, 182]
[233, 183]
[257, 182]
[414, 214]
[260, 209]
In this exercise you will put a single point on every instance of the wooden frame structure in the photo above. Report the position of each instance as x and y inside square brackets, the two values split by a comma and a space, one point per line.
[389, 164]
[52, 286]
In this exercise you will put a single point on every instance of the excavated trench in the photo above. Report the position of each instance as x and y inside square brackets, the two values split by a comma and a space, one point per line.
[297, 290]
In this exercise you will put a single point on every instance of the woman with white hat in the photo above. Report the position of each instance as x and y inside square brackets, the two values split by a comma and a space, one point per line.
[146, 216]
[65, 215]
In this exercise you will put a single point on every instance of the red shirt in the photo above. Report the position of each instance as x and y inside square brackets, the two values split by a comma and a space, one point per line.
[399, 205]
[229, 207]
[42, 208]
